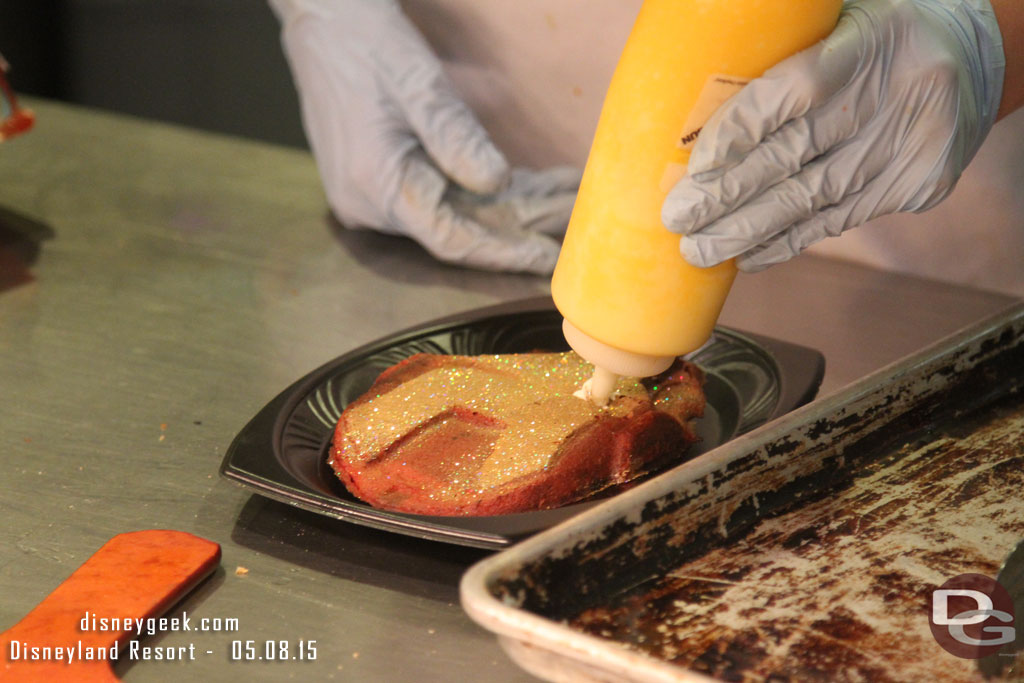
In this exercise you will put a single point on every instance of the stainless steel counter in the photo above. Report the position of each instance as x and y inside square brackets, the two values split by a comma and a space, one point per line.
[190, 278]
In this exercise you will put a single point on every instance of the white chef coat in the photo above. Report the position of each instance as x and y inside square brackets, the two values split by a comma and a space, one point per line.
[535, 72]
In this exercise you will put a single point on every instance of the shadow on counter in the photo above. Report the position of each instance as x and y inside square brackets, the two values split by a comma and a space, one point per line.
[352, 552]
[402, 259]
[21, 241]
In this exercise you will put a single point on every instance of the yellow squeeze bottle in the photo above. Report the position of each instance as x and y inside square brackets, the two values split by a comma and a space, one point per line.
[631, 303]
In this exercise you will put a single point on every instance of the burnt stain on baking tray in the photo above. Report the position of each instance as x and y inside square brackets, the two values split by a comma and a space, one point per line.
[827, 575]
[676, 616]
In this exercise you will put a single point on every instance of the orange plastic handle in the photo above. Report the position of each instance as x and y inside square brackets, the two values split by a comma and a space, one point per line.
[136, 575]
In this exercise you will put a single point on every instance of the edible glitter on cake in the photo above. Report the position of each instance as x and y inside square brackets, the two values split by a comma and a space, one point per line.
[468, 426]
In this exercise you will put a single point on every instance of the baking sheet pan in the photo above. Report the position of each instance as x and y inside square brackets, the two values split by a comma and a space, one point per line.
[806, 549]
[282, 452]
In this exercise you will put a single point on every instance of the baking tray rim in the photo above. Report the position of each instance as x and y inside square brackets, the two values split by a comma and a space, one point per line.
[517, 625]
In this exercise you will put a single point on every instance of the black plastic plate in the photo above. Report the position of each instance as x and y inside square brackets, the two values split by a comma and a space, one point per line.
[282, 452]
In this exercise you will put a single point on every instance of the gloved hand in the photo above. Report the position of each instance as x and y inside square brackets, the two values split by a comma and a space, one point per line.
[880, 117]
[400, 152]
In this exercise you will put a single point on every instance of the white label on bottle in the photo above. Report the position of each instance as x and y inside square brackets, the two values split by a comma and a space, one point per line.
[717, 89]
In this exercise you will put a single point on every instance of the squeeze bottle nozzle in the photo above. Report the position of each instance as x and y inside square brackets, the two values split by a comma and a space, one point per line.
[609, 363]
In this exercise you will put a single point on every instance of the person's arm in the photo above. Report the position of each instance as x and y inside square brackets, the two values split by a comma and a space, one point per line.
[1010, 14]
[880, 117]
[400, 152]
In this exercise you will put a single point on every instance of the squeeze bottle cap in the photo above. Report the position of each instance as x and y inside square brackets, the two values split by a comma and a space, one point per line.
[612, 359]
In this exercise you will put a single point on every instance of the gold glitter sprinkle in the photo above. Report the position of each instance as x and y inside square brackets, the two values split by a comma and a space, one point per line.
[469, 425]
[526, 398]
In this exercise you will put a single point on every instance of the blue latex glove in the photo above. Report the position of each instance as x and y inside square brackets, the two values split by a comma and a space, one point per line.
[880, 117]
[397, 149]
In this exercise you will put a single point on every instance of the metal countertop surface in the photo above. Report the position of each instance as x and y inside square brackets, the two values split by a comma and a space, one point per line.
[190, 278]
